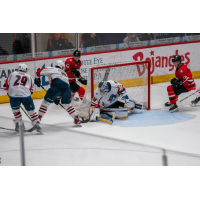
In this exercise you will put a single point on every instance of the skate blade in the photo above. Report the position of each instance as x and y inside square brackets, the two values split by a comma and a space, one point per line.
[78, 125]
[175, 110]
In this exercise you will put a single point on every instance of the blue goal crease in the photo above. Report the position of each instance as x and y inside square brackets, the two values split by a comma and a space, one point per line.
[152, 118]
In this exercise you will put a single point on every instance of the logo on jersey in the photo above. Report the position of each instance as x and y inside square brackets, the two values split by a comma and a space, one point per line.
[181, 71]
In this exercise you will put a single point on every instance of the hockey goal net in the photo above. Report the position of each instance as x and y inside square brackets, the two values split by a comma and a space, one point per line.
[135, 77]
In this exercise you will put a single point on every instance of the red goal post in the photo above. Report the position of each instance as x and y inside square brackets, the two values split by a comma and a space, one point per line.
[135, 76]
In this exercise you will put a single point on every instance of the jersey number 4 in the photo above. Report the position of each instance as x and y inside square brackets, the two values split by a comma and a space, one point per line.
[21, 80]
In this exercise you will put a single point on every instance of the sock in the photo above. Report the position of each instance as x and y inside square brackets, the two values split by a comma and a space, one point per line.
[172, 96]
[17, 114]
[34, 116]
[70, 109]
[43, 108]
[81, 92]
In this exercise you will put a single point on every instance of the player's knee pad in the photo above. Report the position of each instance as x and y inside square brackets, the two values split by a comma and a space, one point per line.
[81, 92]
[170, 88]
[46, 103]
[94, 113]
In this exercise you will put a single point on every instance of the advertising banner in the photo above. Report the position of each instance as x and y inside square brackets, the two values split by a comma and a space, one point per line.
[159, 56]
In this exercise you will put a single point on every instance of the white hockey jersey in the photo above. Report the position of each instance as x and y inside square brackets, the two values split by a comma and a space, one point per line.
[107, 99]
[53, 73]
[19, 84]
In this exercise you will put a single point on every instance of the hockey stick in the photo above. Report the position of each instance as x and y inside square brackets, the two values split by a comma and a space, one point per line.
[7, 129]
[83, 121]
[190, 95]
[26, 113]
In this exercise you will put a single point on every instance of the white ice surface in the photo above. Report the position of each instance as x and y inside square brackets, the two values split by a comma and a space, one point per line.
[102, 144]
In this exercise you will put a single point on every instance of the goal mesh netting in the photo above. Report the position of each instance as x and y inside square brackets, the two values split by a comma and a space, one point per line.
[135, 77]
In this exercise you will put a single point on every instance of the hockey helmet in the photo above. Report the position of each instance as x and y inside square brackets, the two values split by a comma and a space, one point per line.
[22, 67]
[77, 53]
[104, 86]
[60, 64]
[176, 58]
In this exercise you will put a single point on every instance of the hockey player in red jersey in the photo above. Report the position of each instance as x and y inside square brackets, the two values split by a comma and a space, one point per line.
[72, 66]
[183, 82]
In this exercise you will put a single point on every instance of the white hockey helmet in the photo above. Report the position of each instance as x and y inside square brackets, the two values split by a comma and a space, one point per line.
[104, 86]
[60, 64]
[22, 67]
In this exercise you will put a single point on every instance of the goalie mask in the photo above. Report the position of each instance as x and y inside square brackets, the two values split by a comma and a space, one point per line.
[104, 86]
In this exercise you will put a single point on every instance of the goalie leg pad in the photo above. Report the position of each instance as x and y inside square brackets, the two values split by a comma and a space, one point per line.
[120, 113]
[138, 108]
[94, 113]
[130, 105]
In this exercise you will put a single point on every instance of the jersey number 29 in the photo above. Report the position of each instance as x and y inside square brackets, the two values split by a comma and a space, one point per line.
[21, 80]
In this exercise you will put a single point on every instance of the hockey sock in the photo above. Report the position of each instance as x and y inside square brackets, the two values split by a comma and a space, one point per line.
[34, 116]
[43, 108]
[172, 96]
[81, 92]
[17, 115]
[70, 109]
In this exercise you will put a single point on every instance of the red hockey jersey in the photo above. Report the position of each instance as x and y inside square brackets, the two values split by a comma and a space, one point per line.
[184, 74]
[69, 64]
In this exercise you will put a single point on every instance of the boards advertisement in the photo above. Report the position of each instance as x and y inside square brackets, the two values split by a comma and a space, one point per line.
[159, 56]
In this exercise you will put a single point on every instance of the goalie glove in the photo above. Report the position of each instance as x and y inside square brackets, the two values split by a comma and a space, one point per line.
[83, 81]
[94, 113]
[123, 98]
[37, 82]
[75, 72]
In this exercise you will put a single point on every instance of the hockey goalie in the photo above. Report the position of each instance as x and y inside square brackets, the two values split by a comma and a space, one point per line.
[111, 98]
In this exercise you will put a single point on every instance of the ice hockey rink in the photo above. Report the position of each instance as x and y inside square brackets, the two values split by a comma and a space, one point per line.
[152, 138]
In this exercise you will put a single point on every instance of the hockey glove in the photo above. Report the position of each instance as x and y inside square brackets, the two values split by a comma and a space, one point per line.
[82, 81]
[57, 101]
[75, 72]
[173, 81]
[179, 82]
[37, 82]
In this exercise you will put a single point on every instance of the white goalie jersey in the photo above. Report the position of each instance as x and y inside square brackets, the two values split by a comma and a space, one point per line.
[19, 84]
[107, 93]
[53, 73]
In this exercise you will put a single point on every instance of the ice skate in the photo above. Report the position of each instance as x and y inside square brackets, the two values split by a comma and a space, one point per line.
[168, 104]
[194, 102]
[77, 121]
[17, 126]
[174, 108]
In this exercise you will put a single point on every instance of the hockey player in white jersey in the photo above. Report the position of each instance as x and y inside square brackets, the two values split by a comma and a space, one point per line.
[59, 90]
[19, 87]
[110, 96]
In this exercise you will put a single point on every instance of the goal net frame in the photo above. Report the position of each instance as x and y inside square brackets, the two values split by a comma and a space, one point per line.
[121, 65]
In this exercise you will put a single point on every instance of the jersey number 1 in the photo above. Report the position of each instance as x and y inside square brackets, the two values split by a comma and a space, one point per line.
[20, 80]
